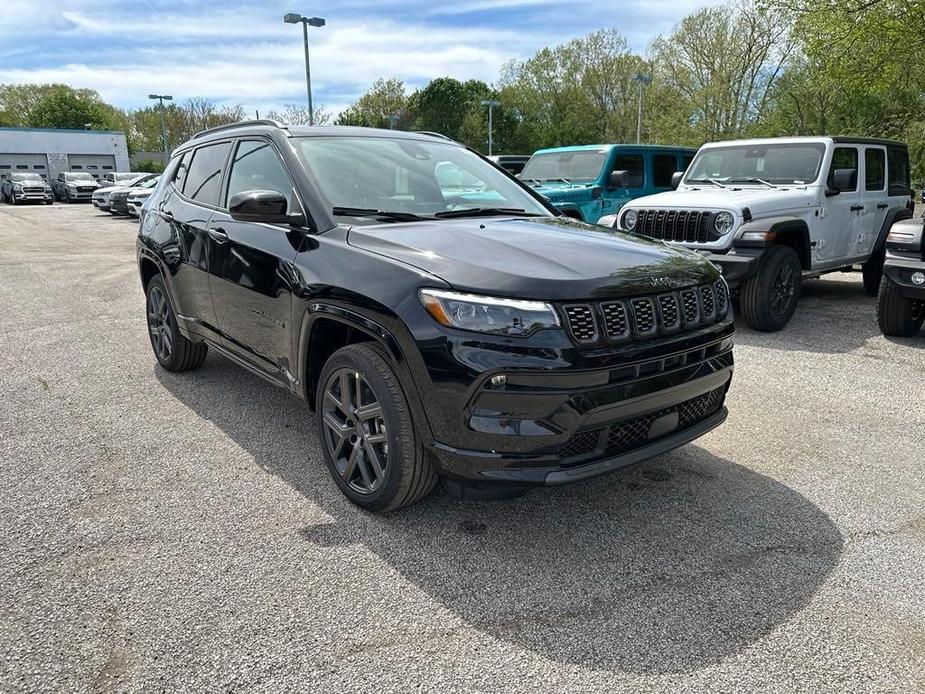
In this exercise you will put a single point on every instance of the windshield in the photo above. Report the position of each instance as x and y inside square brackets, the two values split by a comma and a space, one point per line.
[79, 177]
[583, 166]
[360, 176]
[26, 177]
[126, 176]
[784, 163]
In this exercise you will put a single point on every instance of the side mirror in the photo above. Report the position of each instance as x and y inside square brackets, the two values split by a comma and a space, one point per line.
[844, 179]
[266, 206]
[676, 179]
[618, 179]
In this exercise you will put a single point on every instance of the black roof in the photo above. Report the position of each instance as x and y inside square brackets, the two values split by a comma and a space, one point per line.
[849, 140]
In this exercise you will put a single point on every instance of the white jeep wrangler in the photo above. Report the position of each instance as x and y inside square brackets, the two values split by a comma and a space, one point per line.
[772, 212]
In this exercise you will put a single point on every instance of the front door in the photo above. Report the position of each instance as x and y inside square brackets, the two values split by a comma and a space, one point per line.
[837, 234]
[252, 271]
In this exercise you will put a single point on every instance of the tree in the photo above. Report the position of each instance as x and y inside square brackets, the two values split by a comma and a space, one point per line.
[386, 97]
[293, 114]
[442, 105]
[63, 107]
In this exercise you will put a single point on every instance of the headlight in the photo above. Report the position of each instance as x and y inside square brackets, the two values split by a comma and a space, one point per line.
[72, 186]
[629, 219]
[723, 223]
[487, 314]
[17, 187]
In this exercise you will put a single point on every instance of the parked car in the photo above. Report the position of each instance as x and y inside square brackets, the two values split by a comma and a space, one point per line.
[901, 302]
[498, 347]
[774, 212]
[26, 187]
[118, 198]
[69, 186]
[101, 195]
[591, 181]
[138, 196]
[511, 162]
[121, 178]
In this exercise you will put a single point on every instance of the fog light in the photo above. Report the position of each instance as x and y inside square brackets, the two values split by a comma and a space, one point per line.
[499, 381]
[918, 278]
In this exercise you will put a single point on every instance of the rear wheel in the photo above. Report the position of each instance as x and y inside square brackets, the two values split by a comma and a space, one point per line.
[173, 351]
[368, 440]
[768, 299]
[897, 315]
[872, 271]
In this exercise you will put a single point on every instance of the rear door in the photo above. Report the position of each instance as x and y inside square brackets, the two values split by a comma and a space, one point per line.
[874, 197]
[252, 272]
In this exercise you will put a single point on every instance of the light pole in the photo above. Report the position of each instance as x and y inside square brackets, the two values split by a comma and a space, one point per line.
[642, 80]
[392, 118]
[160, 100]
[491, 104]
[294, 18]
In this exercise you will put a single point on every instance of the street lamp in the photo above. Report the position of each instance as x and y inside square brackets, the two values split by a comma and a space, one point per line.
[642, 80]
[491, 104]
[161, 98]
[293, 18]
[392, 118]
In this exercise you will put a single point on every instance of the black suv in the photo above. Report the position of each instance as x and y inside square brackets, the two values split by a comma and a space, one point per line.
[901, 303]
[442, 318]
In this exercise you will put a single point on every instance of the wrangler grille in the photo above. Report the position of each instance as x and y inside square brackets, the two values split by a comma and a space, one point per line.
[622, 437]
[647, 316]
[692, 226]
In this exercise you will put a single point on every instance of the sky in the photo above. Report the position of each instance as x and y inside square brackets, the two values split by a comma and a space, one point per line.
[236, 52]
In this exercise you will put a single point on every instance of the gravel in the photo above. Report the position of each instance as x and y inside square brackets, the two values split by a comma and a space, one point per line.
[163, 532]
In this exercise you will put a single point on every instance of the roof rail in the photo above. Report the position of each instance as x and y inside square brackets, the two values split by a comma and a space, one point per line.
[435, 134]
[242, 124]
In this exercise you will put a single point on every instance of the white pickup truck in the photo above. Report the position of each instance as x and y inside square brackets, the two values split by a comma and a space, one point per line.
[772, 212]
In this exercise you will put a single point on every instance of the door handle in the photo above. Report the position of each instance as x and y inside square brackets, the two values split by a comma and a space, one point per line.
[856, 208]
[882, 206]
[218, 235]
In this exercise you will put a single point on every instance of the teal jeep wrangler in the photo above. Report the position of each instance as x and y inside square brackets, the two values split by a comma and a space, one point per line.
[590, 181]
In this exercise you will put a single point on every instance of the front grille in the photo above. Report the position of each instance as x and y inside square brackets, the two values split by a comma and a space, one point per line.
[646, 316]
[692, 226]
[622, 437]
[85, 189]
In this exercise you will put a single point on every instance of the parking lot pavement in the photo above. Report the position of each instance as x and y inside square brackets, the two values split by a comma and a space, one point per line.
[180, 533]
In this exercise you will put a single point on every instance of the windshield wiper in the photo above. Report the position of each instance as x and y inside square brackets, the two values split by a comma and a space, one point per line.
[394, 215]
[751, 179]
[484, 211]
[705, 180]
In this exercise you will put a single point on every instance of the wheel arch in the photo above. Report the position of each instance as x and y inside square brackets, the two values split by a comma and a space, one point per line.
[780, 231]
[893, 215]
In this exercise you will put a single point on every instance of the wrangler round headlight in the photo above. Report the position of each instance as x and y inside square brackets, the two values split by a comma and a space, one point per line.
[723, 223]
[629, 219]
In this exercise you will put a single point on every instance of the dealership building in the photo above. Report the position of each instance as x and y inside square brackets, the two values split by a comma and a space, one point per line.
[48, 152]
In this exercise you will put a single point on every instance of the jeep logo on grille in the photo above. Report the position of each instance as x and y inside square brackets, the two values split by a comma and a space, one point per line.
[661, 282]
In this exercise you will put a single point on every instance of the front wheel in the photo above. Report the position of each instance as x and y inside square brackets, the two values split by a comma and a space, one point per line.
[171, 349]
[364, 423]
[897, 315]
[768, 299]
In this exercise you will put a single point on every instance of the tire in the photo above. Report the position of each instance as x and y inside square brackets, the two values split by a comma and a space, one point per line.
[172, 350]
[873, 272]
[768, 299]
[376, 460]
[897, 315]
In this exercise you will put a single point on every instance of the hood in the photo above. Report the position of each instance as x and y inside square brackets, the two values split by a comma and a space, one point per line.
[109, 189]
[552, 258]
[757, 199]
[140, 192]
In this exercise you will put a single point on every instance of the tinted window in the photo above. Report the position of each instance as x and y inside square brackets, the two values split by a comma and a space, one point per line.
[204, 178]
[634, 165]
[256, 167]
[179, 175]
[686, 161]
[899, 170]
[843, 158]
[874, 174]
[663, 166]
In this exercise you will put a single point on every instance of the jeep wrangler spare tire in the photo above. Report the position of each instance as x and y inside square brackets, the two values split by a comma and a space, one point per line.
[768, 299]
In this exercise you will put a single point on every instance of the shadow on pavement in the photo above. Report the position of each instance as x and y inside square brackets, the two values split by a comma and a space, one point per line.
[666, 567]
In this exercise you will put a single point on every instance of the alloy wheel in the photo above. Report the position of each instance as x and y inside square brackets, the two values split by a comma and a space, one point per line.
[354, 431]
[159, 324]
[783, 289]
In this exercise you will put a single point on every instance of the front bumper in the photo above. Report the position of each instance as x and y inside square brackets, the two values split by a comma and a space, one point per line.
[899, 272]
[102, 205]
[736, 267]
[556, 426]
[31, 196]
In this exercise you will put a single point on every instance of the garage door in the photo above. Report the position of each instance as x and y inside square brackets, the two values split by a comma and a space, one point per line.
[23, 163]
[96, 164]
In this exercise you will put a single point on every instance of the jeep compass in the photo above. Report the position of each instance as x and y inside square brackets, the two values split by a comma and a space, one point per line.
[443, 319]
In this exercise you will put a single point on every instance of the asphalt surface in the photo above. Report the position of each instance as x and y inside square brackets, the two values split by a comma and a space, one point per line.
[163, 532]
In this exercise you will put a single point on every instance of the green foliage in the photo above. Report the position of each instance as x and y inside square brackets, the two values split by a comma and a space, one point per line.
[148, 166]
[63, 107]
[384, 98]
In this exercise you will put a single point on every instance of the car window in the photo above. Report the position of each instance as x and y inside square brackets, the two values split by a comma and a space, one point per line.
[874, 165]
[256, 166]
[898, 159]
[686, 161]
[568, 166]
[663, 168]
[634, 165]
[179, 174]
[204, 177]
[843, 158]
